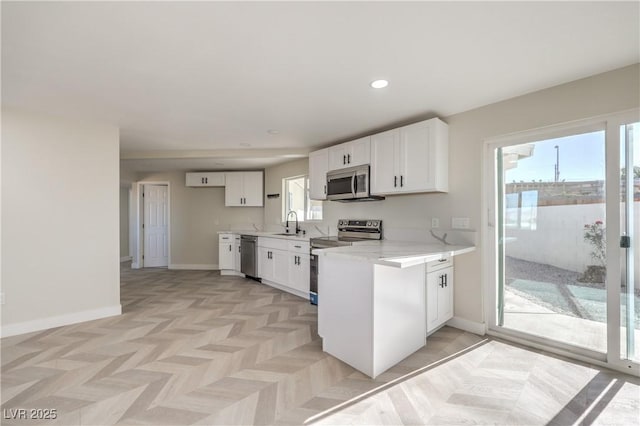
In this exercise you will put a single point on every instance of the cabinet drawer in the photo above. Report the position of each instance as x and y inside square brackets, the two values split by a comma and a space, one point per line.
[226, 238]
[298, 247]
[274, 243]
[435, 265]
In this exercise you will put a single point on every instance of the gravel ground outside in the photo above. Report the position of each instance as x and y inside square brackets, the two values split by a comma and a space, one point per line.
[559, 290]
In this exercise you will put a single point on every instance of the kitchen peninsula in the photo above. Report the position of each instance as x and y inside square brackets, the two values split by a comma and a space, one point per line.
[373, 309]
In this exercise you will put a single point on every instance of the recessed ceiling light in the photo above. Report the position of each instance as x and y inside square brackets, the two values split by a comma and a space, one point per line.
[273, 131]
[244, 144]
[379, 84]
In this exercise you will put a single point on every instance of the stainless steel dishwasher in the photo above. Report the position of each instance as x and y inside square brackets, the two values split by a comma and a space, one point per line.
[248, 255]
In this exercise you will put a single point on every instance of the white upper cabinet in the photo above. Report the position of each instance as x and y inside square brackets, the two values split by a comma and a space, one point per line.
[318, 168]
[349, 154]
[244, 189]
[205, 179]
[412, 158]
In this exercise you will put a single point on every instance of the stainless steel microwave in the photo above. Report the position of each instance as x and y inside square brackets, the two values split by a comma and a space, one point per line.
[350, 184]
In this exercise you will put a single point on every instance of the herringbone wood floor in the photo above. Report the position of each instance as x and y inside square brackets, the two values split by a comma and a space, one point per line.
[196, 348]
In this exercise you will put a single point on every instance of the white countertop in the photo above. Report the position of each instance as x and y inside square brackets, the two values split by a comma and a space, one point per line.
[398, 254]
[269, 234]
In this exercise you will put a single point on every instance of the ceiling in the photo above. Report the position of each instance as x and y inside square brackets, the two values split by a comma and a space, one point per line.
[208, 76]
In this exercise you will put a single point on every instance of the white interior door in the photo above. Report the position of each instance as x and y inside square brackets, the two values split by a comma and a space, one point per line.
[156, 226]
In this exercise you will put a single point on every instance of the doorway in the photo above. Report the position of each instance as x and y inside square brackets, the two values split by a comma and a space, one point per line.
[561, 247]
[153, 225]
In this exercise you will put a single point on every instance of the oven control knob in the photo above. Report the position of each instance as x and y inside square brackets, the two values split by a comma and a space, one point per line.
[375, 223]
[369, 223]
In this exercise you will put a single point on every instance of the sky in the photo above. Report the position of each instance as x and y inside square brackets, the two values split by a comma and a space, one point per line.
[582, 157]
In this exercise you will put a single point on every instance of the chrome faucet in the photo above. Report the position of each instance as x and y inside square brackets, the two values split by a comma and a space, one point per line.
[287, 225]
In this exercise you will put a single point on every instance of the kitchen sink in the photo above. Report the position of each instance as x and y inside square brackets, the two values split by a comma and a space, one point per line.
[288, 235]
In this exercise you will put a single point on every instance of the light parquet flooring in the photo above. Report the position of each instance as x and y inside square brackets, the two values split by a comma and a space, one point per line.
[193, 347]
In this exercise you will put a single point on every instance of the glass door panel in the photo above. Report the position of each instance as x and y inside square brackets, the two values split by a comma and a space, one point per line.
[551, 240]
[630, 243]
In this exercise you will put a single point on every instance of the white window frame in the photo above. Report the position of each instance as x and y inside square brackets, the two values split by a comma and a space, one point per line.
[307, 200]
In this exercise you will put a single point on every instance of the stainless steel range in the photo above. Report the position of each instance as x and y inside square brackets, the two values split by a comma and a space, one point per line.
[350, 232]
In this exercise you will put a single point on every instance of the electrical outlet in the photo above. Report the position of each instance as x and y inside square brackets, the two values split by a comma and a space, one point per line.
[460, 222]
[435, 223]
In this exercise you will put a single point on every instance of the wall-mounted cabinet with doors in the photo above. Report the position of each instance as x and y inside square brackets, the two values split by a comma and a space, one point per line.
[318, 168]
[243, 189]
[197, 179]
[349, 154]
[409, 159]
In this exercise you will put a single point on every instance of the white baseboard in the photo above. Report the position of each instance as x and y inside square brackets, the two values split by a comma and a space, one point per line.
[478, 328]
[195, 266]
[231, 273]
[125, 259]
[59, 320]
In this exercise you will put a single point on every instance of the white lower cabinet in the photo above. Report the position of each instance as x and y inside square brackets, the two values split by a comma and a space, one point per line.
[226, 255]
[299, 267]
[439, 294]
[284, 265]
[273, 265]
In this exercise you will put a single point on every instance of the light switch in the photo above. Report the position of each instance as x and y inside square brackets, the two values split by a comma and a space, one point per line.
[435, 223]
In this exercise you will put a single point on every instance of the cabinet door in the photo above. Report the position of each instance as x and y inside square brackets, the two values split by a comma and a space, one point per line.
[233, 189]
[432, 300]
[445, 296]
[280, 259]
[237, 257]
[416, 148]
[338, 156]
[253, 189]
[226, 256]
[318, 167]
[213, 178]
[265, 264]
[195, 179]
[205, 179]
[359, 151]
[384, 177]
[299, 278]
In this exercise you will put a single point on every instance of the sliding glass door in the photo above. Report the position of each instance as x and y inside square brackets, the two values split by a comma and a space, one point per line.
[564, 211]
[552, 222]
[630, 244]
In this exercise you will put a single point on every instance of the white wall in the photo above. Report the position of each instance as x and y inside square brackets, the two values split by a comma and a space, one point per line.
[273, 185]
[197, 214]
[60, 250]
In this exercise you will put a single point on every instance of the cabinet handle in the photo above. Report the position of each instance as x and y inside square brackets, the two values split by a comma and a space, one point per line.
[395, 181]
[298, 246]
[401, 181]
[202, 180]
[239, 249]
[348, 158]
[325, 190]
[229, 247]
[344, 159]
[206, 180]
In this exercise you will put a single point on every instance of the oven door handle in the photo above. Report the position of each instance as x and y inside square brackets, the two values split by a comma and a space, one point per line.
[353, 184]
